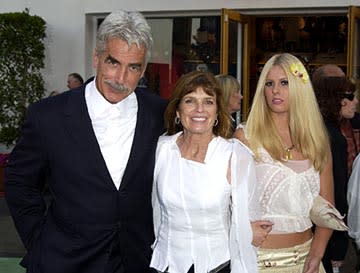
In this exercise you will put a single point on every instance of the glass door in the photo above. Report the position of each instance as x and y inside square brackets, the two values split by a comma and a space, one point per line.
[181, 44]
[234, 54]
[354, 44]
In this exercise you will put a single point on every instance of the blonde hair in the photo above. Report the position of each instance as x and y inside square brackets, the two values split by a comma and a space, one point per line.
[228, 85]
[306, 125]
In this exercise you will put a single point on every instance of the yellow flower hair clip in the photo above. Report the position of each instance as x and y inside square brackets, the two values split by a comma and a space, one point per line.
[298, 70]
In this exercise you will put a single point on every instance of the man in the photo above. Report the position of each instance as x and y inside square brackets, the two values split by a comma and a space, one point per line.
[327, 70]
[74, 80]
[96, 147]
[338, 244]
[350, 128]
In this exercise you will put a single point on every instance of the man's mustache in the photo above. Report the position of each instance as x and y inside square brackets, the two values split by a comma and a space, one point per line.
[117, 86]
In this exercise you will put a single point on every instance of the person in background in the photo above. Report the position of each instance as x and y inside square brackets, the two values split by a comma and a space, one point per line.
[54, 93]
[232, 94]
[337, 103]
[293, 166]
[327, 70]
[74, 80]
[201, 180]
[351, 130]
[96, 148]
[350, 127]
[143, 85]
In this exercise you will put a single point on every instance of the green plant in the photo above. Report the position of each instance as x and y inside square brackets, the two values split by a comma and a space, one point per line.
[21, 60]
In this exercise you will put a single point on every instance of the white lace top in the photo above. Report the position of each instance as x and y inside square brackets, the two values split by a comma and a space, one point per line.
[284, 195]
[199, 218]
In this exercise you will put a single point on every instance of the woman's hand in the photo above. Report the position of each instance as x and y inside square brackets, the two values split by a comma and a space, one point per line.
[260, 231]
[312, 264]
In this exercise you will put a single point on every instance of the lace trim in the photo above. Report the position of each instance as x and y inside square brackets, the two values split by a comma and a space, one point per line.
[278, 185]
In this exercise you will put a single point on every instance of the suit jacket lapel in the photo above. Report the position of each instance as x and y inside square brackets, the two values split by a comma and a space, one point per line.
[139, 140]
[80, 129]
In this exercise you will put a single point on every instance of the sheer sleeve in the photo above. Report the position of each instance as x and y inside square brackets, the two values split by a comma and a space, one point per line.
[154, 197]
[243, 254]
[353, 196]
[156, 210]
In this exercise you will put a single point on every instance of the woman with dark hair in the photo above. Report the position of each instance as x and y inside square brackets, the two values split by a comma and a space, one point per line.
[201, 179]
[337, 103]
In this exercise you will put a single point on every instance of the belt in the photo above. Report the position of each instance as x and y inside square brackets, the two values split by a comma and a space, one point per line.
[283, 257]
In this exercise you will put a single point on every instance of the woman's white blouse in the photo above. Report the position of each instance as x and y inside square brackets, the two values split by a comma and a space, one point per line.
[199, 218]
[282, 195]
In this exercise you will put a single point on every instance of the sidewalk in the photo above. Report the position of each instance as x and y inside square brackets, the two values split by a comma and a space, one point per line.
[11, 265]
[11, 247]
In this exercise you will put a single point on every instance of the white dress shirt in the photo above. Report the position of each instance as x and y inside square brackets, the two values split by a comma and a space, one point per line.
[114, 127]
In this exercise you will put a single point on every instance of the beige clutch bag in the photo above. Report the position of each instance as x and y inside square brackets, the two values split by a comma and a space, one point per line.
[324, 214]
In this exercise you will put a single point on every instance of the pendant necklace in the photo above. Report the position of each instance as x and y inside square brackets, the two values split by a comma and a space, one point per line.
[288, 152]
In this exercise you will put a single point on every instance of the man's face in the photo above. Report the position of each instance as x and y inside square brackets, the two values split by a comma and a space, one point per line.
[72, 82]
[118, 69]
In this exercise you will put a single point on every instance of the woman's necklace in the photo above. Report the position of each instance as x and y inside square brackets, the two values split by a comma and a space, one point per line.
[288, 152]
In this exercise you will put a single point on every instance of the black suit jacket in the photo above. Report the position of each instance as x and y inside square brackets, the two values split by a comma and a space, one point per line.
[338, 243]
[87, 213]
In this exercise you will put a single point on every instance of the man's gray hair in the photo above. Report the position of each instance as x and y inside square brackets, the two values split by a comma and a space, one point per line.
[129, 26]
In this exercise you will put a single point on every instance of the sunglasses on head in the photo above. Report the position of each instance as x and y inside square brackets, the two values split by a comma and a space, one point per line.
[349, 96]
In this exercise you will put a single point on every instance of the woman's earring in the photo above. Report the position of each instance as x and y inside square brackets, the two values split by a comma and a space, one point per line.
[216, 122]
[177, 120]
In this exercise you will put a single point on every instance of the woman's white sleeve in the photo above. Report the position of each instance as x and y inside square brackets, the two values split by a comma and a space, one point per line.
[154, 194]
[242, 252]
[353, 196]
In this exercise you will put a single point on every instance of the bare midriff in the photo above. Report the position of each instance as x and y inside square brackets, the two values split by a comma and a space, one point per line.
[285, 240]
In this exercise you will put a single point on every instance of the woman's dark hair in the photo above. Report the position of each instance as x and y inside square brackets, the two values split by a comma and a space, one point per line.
[330, 92]
[189, 83]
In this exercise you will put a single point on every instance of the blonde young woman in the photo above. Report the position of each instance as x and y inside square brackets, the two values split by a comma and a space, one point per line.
[293, 166]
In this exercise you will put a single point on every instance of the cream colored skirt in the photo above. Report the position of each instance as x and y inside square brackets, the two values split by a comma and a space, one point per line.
[284, 260]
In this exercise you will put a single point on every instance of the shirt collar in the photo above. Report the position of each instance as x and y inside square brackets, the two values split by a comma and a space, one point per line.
[98, 105]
